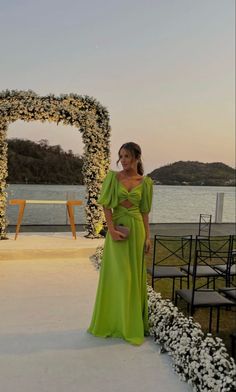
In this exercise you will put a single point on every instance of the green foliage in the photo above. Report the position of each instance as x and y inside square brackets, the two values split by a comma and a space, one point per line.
[194, 173]
[39, 163]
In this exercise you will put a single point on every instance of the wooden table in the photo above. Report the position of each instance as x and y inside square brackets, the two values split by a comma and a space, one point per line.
[69, 204]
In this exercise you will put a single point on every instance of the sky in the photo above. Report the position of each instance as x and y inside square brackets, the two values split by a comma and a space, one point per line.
[164, 69]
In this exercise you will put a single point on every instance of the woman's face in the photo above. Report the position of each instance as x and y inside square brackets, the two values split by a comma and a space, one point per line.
[127, 160]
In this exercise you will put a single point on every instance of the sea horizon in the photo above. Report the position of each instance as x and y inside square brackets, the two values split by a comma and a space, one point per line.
[171, 203]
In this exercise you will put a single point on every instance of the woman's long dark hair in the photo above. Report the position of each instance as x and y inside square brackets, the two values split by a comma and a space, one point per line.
[136, 153]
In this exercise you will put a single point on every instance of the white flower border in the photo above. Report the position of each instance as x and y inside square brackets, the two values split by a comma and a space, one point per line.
[200, 360]
[83, 112]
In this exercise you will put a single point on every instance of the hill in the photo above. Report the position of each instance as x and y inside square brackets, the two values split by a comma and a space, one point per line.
[194, 173]
[38, 163]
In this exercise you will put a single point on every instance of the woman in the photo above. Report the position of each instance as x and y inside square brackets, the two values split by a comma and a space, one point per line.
[121, 308]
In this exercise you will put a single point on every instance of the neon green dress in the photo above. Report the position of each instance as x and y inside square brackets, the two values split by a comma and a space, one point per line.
[121, 308]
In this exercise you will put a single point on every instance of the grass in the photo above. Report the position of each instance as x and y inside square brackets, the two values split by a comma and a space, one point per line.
[201, 315]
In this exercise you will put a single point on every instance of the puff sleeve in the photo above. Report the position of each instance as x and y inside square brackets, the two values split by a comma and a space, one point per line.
[146, 200]
[108, 196]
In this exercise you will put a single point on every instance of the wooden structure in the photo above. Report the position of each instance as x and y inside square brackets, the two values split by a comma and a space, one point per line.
[69, 204]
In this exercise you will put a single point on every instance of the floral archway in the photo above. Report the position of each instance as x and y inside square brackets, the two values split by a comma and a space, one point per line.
[83, 112]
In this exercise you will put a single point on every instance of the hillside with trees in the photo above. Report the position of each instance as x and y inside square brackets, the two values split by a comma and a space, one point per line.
[38, 163]
[194, 173]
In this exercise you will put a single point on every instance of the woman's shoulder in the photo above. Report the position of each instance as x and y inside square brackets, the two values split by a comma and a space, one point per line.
[110, 175]
[147, 180]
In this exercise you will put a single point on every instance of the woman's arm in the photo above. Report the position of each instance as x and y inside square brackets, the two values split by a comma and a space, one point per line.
[147, 232]
[116, 235]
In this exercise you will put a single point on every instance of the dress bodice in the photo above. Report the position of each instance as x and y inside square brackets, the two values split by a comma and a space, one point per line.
[134, 195]
[113, 192]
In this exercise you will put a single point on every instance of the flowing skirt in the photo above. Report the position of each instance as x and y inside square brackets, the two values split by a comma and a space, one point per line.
[121, 308]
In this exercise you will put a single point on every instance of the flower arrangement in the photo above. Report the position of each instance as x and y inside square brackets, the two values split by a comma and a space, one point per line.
[97, 257]
[83, 112]
[200, 360]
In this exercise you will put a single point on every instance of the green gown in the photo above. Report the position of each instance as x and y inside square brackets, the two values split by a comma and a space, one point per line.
[121, 308]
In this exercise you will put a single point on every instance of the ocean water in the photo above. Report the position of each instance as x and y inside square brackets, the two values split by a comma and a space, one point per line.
[170, 203]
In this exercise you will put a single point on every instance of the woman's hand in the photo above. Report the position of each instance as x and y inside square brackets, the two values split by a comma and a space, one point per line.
[116, 235]
[147, 246]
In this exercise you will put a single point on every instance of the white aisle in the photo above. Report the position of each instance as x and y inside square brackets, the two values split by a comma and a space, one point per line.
[47, 290]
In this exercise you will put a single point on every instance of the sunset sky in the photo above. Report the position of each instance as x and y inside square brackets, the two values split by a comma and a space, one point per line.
[163, 68]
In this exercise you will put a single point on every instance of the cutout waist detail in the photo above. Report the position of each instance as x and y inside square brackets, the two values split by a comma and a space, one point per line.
[126, 203]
